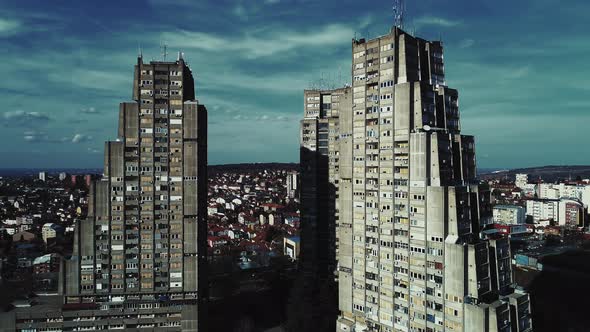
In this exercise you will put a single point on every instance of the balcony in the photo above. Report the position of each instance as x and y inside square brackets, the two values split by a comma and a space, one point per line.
[371, 186]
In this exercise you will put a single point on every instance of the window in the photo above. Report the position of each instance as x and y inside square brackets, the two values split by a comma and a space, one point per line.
[359, 77]
[387, 47]
[386, 84]
[386, 59]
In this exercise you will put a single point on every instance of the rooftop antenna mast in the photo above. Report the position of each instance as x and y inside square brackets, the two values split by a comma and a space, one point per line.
[164, 48]
[399, 8]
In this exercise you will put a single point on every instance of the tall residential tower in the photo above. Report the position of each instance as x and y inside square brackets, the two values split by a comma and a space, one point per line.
[315, 292]
[139, 258]
[410, 257]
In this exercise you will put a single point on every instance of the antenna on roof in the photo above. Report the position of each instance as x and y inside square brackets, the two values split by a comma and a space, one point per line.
[164, 48]
[140, 51]
[398, 13]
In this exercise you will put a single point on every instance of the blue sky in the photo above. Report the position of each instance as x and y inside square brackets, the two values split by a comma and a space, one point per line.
[521, 69]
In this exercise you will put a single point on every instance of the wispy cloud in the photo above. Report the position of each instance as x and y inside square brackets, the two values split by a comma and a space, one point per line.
[519, 72]
[466, 43]
[254, 45]
[9, 27]
[424, 21]
[80, 138]
[34, 136]
[93, 79]
[22, 118]
[89, 110]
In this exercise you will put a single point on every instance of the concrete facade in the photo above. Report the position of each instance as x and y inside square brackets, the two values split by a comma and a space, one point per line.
[409, 207]
[320, 158]
[139, 258]
[319, 181]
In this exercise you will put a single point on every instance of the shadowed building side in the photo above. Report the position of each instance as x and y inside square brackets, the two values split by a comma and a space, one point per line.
[314, 296]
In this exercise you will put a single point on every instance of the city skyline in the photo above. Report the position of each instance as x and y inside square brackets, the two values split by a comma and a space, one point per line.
[272, 50]
[378, 220]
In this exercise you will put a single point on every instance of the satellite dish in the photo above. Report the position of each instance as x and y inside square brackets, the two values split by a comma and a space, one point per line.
[426, 128]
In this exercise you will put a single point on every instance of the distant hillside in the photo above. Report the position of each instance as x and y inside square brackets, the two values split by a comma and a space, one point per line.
[547, 173]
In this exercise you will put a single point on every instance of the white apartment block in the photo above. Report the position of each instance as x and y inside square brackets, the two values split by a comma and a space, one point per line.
[580, 192]
[562, 211]
[521, 180]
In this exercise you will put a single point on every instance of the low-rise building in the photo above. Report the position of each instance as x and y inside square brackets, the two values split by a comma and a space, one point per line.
[509, 214]
[23, 236]
[50, 231]
[291, 247]
[46, 264]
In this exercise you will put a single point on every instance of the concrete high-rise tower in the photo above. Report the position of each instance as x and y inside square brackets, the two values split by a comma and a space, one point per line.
[141, 253]
[319, 175]
[410, 257]
[314, 295]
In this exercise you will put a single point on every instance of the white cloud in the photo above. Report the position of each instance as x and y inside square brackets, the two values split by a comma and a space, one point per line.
[90, 110]
[466, 43]
[519, 72]
[93, 79]
[435, 21]
[34, 136]
[255, 45]
[9, 27]
[80, 138]
[23, 118]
